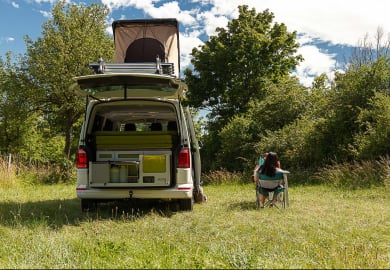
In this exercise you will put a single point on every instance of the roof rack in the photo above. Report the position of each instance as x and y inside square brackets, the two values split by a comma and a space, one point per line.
[157, 67]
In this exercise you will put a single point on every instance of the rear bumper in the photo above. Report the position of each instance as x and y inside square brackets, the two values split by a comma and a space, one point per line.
[182, 192]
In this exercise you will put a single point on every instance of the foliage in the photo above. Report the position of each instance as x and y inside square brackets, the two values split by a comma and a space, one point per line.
[25, 133]
[343, 120]
[63, 171]
[373, 138]
[324, 228]
[356, 175]
[231, 67]
[17, 112]
[242, 75]
[223, 176]
[70, 40]
[284, 102]
[247, 135]
[291, 143]
[354, 92]
[236, 143]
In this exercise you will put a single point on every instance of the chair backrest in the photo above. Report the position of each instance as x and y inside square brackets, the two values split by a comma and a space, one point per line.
[270, 182]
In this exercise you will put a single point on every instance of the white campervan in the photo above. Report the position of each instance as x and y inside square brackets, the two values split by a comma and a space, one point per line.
[138, 140]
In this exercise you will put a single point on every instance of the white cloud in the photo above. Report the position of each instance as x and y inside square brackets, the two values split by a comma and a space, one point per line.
[210, 21]
[9, 39]
[46, 14]
[172, 10]
[6, 40]
[187, 42]
[15, 5]
[340, 22]
[316, 62]
[167, 10]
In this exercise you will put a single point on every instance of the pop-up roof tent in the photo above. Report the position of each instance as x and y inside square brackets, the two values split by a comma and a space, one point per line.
[151, 40]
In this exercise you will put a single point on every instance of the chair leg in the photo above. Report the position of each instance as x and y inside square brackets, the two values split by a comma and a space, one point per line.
[281, 199]
[259, 204]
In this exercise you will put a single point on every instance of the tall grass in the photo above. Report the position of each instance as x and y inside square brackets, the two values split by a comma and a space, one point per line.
[35, 173]
[7, 174]
[42, 226]
[222, 176]
[356, 175]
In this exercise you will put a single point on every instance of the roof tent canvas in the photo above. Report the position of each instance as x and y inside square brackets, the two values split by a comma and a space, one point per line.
[144, 40]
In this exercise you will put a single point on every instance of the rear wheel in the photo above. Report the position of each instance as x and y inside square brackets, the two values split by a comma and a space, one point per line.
[186, 204]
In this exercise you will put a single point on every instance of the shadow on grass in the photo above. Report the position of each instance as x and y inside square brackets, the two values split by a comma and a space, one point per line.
[58, 213]
[244, 205]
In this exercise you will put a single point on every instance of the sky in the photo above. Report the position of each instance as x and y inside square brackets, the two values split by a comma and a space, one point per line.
[327, 30]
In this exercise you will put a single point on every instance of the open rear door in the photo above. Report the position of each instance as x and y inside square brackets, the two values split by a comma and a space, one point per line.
[139, 41]
[130, 86]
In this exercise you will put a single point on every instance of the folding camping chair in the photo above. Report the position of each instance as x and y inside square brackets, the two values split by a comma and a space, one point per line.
[275, 194]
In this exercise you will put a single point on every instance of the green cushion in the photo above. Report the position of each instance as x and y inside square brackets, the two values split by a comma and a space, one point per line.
[133, 139]
[278, 176]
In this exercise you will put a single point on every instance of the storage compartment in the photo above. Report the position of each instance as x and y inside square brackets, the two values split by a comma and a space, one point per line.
[155, 169]
[99, 171]
[131, 169]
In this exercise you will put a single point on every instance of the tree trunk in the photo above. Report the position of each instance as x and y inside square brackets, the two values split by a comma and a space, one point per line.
[68, 135]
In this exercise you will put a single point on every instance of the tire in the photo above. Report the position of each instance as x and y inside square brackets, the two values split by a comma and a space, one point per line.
[186, 204]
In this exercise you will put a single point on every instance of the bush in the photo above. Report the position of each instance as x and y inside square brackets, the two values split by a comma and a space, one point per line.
[356, 175]
[51, 173]
[222, 176]
[373, 139]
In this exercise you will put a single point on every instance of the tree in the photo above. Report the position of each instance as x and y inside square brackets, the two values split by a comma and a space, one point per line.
[367, 52]
[241, 138]
[231, 68]
[373, 139]
[74, 37]
[354, 91]
[16, 107]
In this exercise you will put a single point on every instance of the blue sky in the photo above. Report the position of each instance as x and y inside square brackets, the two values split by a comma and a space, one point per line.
[327, 29]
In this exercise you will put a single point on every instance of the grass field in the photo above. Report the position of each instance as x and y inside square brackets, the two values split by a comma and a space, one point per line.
[43, 227]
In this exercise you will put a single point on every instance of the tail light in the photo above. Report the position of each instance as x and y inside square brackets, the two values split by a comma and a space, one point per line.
[184, 158]
[82, 159]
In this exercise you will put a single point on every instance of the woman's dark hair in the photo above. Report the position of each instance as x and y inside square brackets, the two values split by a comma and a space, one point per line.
[270, 164]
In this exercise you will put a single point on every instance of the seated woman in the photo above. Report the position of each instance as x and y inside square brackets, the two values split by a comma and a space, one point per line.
[269, 177]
